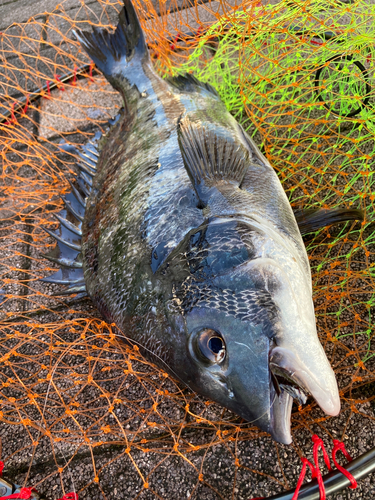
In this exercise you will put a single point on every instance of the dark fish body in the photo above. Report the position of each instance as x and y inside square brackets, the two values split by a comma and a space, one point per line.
[190, 246]
[144, 239]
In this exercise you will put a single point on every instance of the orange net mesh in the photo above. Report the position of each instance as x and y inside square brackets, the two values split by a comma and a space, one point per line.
[82, 411]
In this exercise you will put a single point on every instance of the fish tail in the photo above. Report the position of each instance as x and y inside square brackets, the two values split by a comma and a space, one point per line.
[111, 52]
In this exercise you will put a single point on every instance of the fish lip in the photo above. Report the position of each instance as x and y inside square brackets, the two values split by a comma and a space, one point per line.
[285, 363]
[286, 367]
[280, 415]
[281, 403]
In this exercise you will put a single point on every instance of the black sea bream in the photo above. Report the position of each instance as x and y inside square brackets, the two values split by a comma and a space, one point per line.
[181, 234]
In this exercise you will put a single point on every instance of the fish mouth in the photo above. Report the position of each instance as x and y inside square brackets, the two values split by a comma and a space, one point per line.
[291, 379]
[282, 381]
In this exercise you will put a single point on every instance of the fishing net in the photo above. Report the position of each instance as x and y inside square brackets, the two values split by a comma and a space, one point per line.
[80, 409]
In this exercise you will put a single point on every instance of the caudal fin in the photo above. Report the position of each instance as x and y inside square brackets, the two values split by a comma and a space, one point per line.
[111, 52]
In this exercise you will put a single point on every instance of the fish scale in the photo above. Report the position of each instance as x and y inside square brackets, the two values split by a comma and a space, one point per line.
[178, 229]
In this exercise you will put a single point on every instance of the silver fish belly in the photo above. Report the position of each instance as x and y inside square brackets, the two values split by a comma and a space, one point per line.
[190, 246]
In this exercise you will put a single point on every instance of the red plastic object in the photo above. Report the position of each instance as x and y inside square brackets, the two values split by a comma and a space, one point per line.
[24, 493]
[48, 90]
[61, 86]
[70, 496]
[305, 462]
[339, 446]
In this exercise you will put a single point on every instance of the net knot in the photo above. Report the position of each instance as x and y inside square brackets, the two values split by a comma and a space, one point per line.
[305, 463]
[339, 446]
[315, 470]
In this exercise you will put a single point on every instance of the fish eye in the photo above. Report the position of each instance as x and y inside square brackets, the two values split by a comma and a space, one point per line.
[211, 345]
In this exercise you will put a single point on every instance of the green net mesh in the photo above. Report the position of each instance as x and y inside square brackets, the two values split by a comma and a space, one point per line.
[300, 77]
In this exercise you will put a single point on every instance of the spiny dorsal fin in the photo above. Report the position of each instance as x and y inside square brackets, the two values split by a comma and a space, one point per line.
[312, 219]
[210, 157]
[189, 83]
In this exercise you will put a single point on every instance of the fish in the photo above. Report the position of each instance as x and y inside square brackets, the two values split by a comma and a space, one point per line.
[179, 230]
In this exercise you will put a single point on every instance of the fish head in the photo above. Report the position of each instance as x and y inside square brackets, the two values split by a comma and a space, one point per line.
[251, 342]
[229, 361]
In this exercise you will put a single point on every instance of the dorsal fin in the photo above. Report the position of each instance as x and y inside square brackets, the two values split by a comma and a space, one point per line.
[210, 157]
[189, 83]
